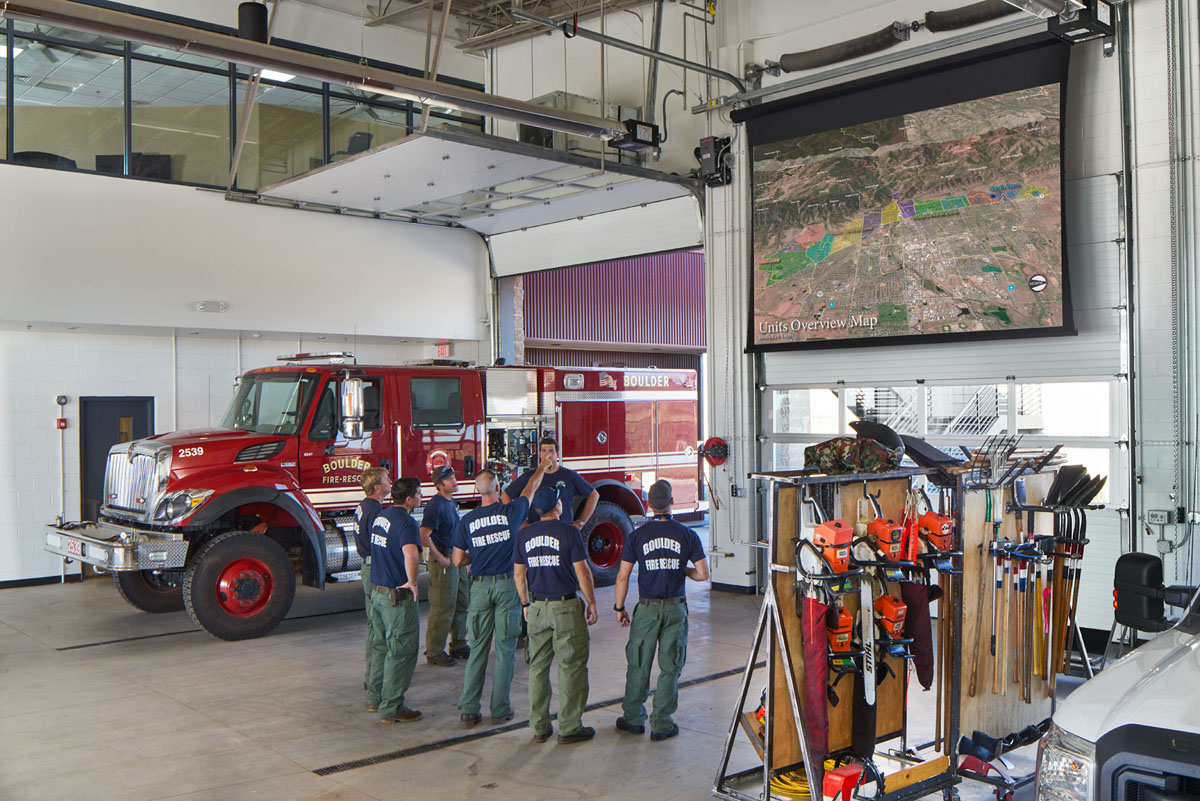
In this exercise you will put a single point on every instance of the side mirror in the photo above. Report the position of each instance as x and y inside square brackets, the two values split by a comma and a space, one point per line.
[352, 408]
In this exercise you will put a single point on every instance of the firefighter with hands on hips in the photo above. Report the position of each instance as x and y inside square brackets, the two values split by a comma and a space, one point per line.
[376, 484]
[661, 548]
[395, 548]
[483, 539]
[550, 568]
[570, 485]
[448, 585]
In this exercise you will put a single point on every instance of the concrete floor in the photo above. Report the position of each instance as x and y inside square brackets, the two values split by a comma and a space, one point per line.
[99, 701]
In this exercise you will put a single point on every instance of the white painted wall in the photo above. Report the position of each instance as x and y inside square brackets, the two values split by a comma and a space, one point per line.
[37, 365]
[331, 30]
[1163, 429]
[103, 250]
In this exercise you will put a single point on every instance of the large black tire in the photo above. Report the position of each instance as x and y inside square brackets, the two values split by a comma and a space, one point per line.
[239, 586]
[604, 537]
[150, 590]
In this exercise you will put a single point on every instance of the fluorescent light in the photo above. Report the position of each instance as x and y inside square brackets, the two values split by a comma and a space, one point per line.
[273, 75]
[18, 51]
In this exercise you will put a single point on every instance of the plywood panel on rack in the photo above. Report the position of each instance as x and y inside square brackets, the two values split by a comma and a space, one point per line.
[785, 741]
[996, 715]
[889, 696]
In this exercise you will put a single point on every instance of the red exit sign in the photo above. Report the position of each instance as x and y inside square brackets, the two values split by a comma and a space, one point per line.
[443, 350]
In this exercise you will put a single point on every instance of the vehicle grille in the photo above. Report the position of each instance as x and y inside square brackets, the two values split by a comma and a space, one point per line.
[129, 483]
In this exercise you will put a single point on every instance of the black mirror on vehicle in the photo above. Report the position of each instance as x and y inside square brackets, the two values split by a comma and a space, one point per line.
[352, 408]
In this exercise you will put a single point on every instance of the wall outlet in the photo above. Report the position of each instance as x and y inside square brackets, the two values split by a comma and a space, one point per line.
[1158, 517]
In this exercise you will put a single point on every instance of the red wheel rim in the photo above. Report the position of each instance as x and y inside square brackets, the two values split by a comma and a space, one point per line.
[244, 587]
[605, 543]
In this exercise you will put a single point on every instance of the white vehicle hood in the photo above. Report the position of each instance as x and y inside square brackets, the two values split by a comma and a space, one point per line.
[1154, 685]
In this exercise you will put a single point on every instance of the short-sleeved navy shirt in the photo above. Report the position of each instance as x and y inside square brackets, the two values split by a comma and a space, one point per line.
[570, 485]
[364, 516]
[662, 549]
[393, 529]
[549, 550]
[487, 535]
[441, 516]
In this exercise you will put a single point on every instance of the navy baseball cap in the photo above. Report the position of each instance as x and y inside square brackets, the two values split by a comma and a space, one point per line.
[442, 473]
[544, 500]
[660, 494]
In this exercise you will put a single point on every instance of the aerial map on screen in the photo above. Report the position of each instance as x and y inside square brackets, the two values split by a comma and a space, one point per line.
[938, 222]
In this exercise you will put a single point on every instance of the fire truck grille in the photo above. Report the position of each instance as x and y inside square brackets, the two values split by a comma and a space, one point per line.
[128, 483]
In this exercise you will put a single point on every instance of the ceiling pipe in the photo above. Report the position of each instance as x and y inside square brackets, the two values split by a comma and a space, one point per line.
[570, 29]
[182, 38]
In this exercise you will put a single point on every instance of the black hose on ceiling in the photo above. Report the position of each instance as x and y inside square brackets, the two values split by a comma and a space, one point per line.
[965, 17]
[890, 36]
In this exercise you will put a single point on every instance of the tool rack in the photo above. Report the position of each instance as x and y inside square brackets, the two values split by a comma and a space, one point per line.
[981, 708]
[785, 746]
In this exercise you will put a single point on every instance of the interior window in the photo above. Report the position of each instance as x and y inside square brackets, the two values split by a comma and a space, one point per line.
[436, 402]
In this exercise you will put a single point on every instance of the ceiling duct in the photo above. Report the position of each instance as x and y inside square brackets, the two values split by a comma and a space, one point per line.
[122, 25]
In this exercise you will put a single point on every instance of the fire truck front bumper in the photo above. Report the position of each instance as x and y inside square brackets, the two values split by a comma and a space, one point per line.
[112, 548]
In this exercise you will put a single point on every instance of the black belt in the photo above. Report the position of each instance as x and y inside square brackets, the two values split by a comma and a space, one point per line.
[497, 577]
[404, 595]
[675, 599]
[570, 597]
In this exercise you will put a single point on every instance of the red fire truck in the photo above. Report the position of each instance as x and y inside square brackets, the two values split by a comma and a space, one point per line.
[220, 521]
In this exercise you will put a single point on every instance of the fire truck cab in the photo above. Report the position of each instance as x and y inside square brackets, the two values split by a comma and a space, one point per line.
[221, 521]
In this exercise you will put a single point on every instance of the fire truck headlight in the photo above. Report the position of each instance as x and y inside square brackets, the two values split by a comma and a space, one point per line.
[178, 505]
[1065, 766]
[162, 469]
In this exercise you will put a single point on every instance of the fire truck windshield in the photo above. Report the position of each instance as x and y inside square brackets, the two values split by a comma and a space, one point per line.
[270, 403]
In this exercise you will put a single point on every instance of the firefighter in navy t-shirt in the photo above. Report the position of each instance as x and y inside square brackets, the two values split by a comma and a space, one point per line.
[661, 548]
[395, 548]
[448, 585]
[483, 539]
[570, 485]
[549, 567]
[376, 484]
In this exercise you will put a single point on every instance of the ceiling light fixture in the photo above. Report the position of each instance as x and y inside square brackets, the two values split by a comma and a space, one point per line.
[17, 51]
[276, 75]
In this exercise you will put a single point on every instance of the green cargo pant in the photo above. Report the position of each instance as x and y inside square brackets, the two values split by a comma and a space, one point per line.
[494, 609]
[663, 624]
[557, 629]
[374, 638]
[395, 658]
[449, 595]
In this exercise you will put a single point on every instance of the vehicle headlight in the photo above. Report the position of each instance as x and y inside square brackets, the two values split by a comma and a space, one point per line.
[178, 505]
[1066, 764]
[162, 469]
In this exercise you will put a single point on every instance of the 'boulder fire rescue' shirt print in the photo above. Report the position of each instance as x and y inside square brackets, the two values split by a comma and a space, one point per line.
[487, 535]
[662, 550]
[549, 550]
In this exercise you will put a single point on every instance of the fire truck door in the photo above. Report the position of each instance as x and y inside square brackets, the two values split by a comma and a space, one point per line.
[677, 429]
[584, 437]
[445, 427]
[330, 465]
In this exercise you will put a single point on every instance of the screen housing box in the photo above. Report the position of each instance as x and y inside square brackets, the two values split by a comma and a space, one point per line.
[1025, 63]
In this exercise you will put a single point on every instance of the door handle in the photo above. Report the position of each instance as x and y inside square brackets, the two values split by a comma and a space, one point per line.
[386, 464]
[469, 466]
[329, 449]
